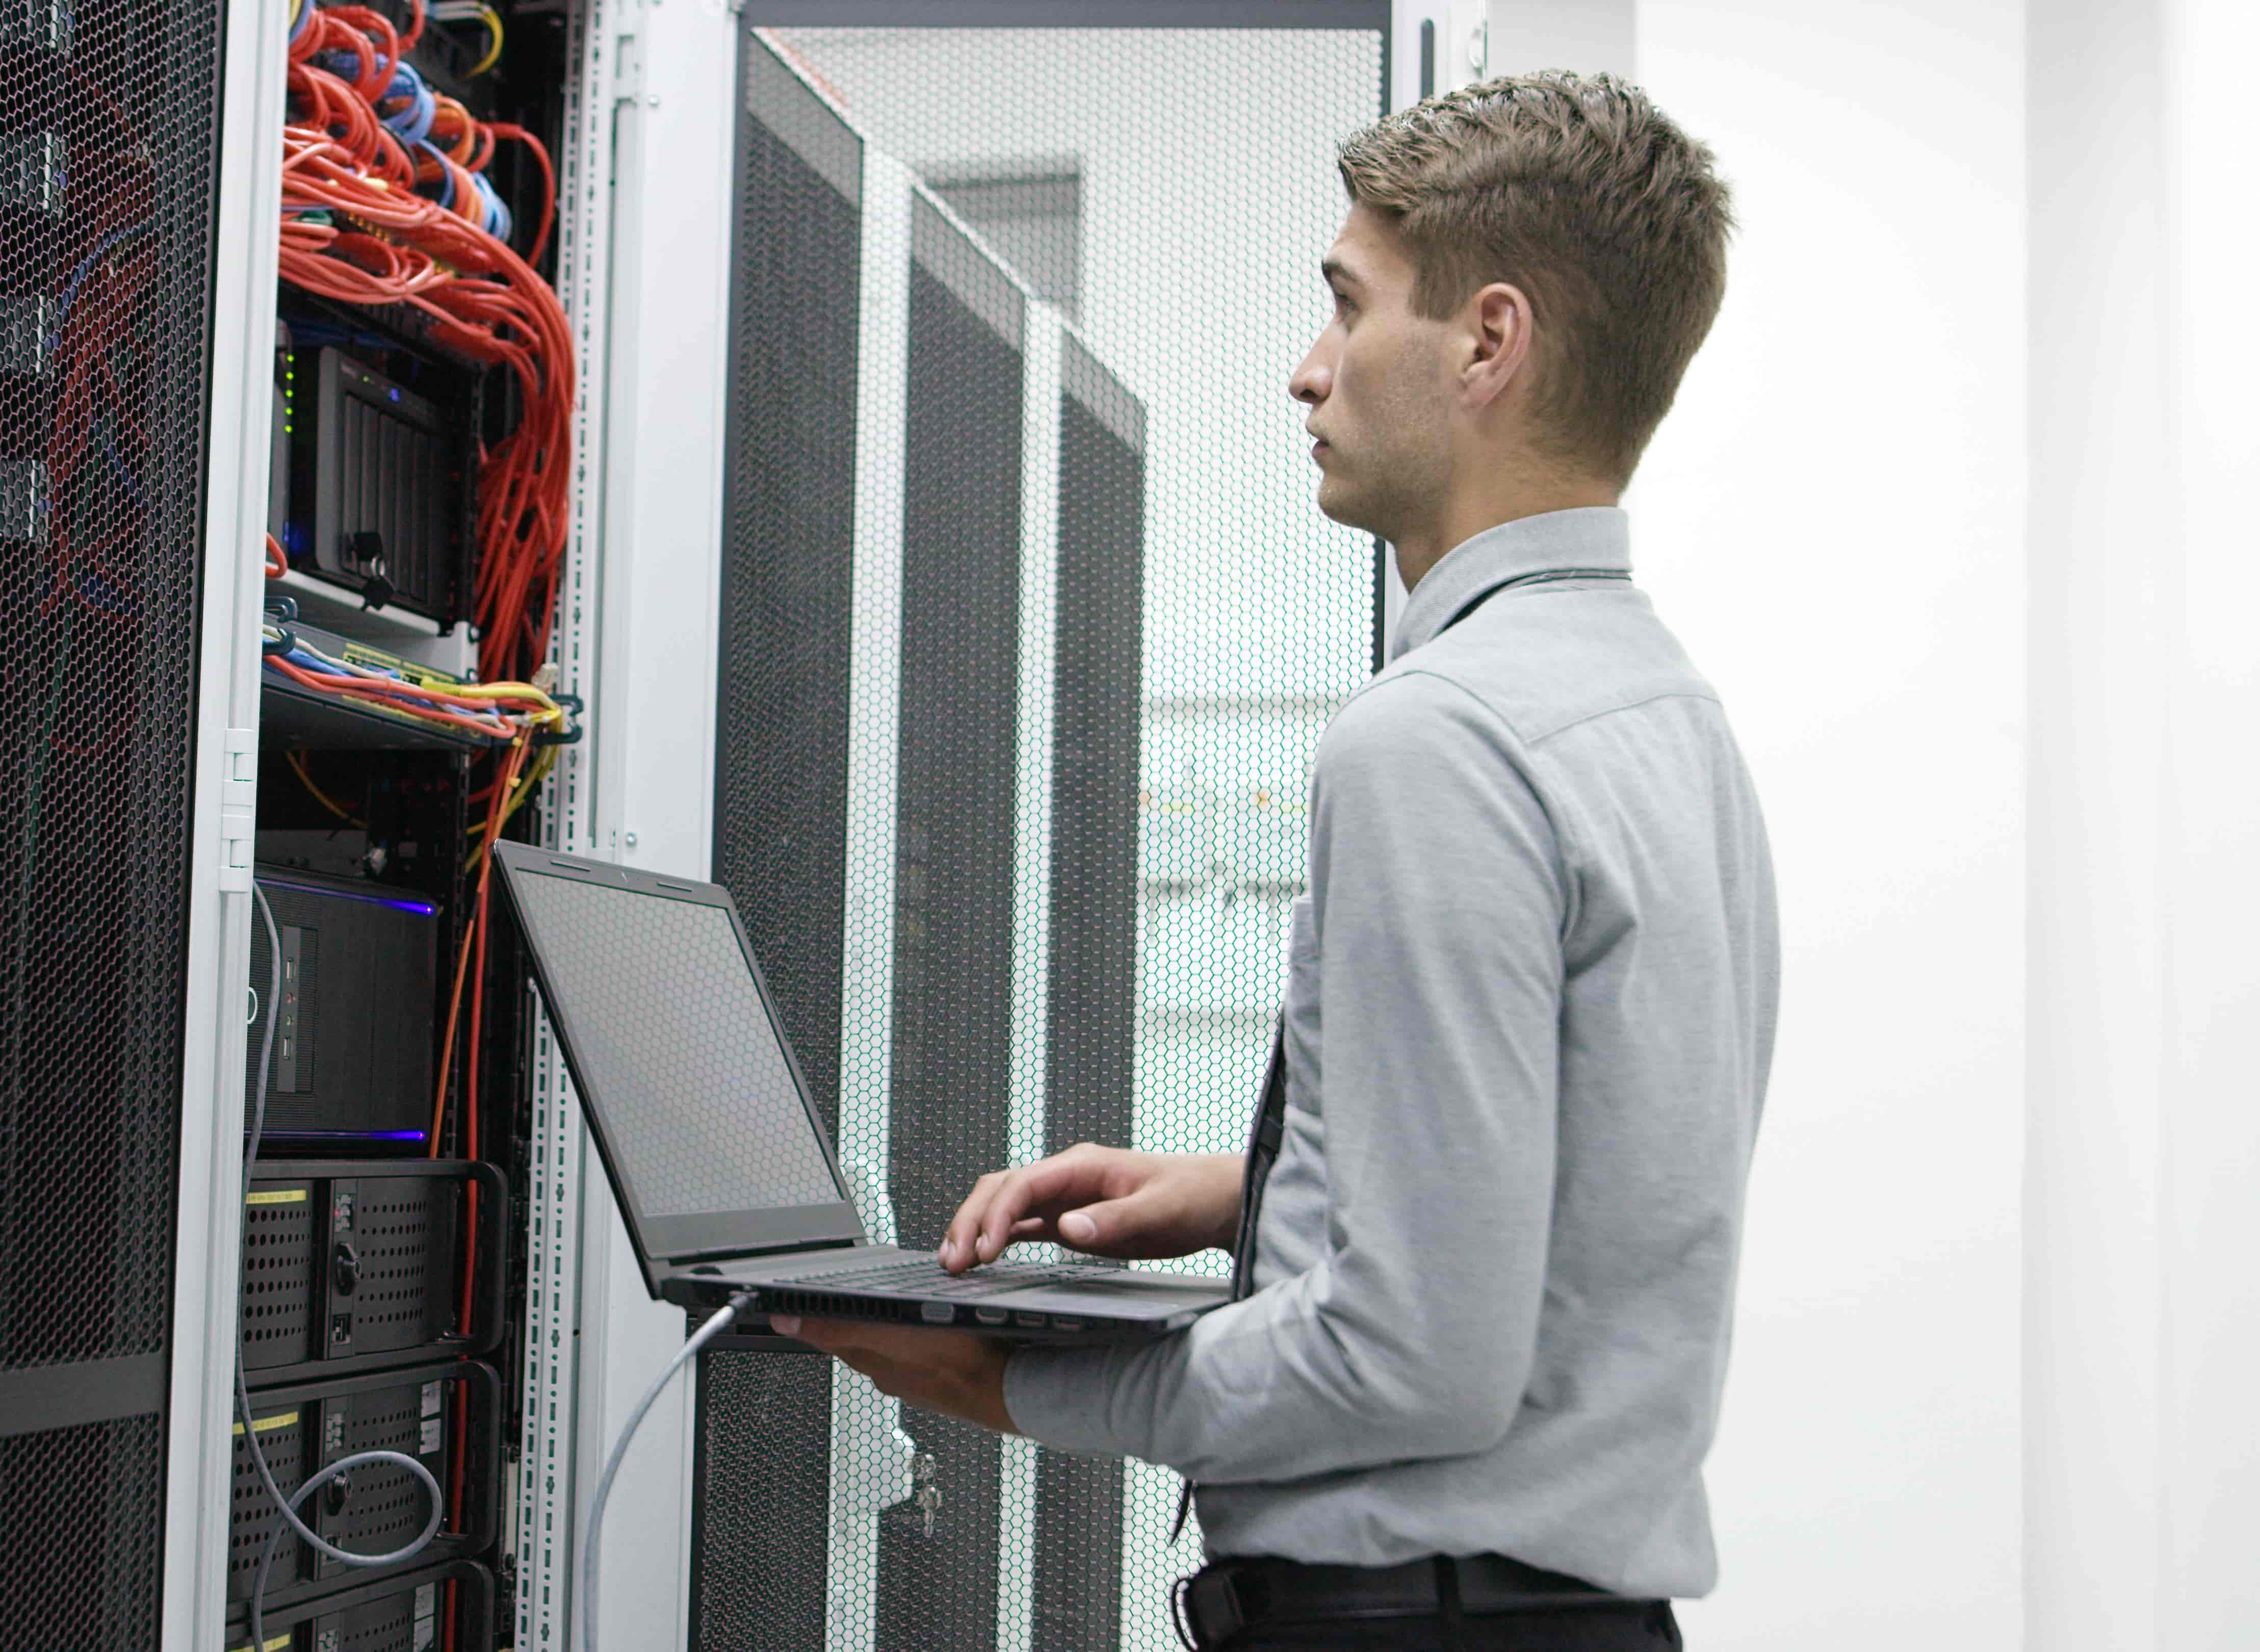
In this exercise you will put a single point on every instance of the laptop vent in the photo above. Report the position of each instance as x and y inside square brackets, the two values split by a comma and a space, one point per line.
[774, 1301]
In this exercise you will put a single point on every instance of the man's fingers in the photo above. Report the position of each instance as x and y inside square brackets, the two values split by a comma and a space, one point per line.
[984, 1223]
[1063, 1178]
[1006, 1205]
[957, 1240]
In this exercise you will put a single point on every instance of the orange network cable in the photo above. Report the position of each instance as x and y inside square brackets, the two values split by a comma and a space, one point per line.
[355, 230]
[358, 687]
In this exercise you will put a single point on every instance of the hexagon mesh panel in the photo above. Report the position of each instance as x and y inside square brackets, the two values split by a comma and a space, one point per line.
[1029, 627]
[656, 977]
[106, 252]
[82, 1566]
[108, 122]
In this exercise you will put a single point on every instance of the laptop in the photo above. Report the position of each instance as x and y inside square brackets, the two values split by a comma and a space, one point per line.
[713, 1148]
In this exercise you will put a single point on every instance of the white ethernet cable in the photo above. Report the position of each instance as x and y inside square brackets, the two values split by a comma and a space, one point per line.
[584, 1619]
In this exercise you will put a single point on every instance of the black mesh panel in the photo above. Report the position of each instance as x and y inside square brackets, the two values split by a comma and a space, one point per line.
[953, 853]
[780, 791]
[783, 712]
[108, 124]
[760, 1503]
[82, 1563]
[1089, 1075]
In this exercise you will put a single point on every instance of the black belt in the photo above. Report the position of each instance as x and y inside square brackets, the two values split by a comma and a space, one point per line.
[1229, 1596]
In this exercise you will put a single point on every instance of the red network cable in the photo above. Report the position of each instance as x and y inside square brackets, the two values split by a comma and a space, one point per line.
[355, 230]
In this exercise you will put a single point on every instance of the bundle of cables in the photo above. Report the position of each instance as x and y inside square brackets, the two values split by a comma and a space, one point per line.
[502, 712]
[385, 203]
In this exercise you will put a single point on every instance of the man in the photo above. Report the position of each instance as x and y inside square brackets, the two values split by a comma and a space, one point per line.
[1466, 1394]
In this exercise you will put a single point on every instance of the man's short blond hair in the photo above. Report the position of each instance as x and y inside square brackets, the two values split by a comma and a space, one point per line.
[1577, 190]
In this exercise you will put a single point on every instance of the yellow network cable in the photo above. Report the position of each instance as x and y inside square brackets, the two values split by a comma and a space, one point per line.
[536, 772]
[494, 53]
[475, 11]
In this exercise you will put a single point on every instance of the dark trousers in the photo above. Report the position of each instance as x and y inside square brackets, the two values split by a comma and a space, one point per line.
[1481, 1603]
[1630, 1628]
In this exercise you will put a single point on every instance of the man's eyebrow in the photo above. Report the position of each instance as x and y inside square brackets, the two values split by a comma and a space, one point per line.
[1334, 270]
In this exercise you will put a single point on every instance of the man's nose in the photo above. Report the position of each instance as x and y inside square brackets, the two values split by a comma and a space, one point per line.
[1313, 381]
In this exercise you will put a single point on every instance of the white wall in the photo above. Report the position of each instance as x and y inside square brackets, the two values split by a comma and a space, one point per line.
[1833, 520]
[1584, 35]
[2210, 1165]
[2143, 1327]
[2102, 512]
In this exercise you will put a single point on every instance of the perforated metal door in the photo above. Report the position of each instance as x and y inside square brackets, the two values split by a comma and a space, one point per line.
[1029, 626]
[108, 122]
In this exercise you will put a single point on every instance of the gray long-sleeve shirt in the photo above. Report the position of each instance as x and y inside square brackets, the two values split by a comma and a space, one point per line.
[1529, 1013]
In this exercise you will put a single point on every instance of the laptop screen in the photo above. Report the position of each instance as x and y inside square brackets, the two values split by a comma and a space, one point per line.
[674, 1042]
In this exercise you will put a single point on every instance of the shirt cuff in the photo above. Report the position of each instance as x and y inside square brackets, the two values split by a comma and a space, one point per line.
[1057, 1397]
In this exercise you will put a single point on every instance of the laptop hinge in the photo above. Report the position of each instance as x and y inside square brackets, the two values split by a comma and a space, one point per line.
[748, 1253]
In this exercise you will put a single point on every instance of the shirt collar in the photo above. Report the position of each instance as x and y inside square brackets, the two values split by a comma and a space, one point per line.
[1593, 536]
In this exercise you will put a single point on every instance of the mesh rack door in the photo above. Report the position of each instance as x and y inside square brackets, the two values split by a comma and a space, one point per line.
[1029, 625]
[108, 127]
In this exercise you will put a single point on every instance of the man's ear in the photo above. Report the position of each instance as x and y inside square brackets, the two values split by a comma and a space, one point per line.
[1501, 339]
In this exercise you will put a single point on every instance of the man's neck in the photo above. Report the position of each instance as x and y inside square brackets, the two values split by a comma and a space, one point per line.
[1419, 551]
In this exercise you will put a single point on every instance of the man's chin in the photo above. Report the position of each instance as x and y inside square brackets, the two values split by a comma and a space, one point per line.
[1340, 502]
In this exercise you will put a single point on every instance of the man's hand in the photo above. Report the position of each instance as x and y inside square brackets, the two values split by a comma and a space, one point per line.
[1105, 1201]
[953, 1372]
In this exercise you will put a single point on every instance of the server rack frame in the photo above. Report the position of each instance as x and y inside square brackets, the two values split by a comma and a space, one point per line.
[643, 257]
[199, 1458]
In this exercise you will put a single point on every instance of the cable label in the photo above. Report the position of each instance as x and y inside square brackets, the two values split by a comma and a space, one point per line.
[268, 1424]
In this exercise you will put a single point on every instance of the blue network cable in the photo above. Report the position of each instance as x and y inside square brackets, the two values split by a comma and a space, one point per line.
[413, 124]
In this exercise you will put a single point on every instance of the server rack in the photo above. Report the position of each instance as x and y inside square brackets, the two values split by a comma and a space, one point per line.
[784, 712]
[949, 1104]
[359, 1273]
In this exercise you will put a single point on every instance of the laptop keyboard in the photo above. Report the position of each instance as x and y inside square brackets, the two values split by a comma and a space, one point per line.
[924, 1278]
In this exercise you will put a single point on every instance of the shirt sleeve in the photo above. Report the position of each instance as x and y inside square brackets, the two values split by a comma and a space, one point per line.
[1441, 899]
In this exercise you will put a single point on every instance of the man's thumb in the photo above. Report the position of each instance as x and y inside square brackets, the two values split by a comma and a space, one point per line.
[1104, 1228]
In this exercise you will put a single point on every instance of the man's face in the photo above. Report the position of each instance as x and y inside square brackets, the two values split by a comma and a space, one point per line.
[1378, 387]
